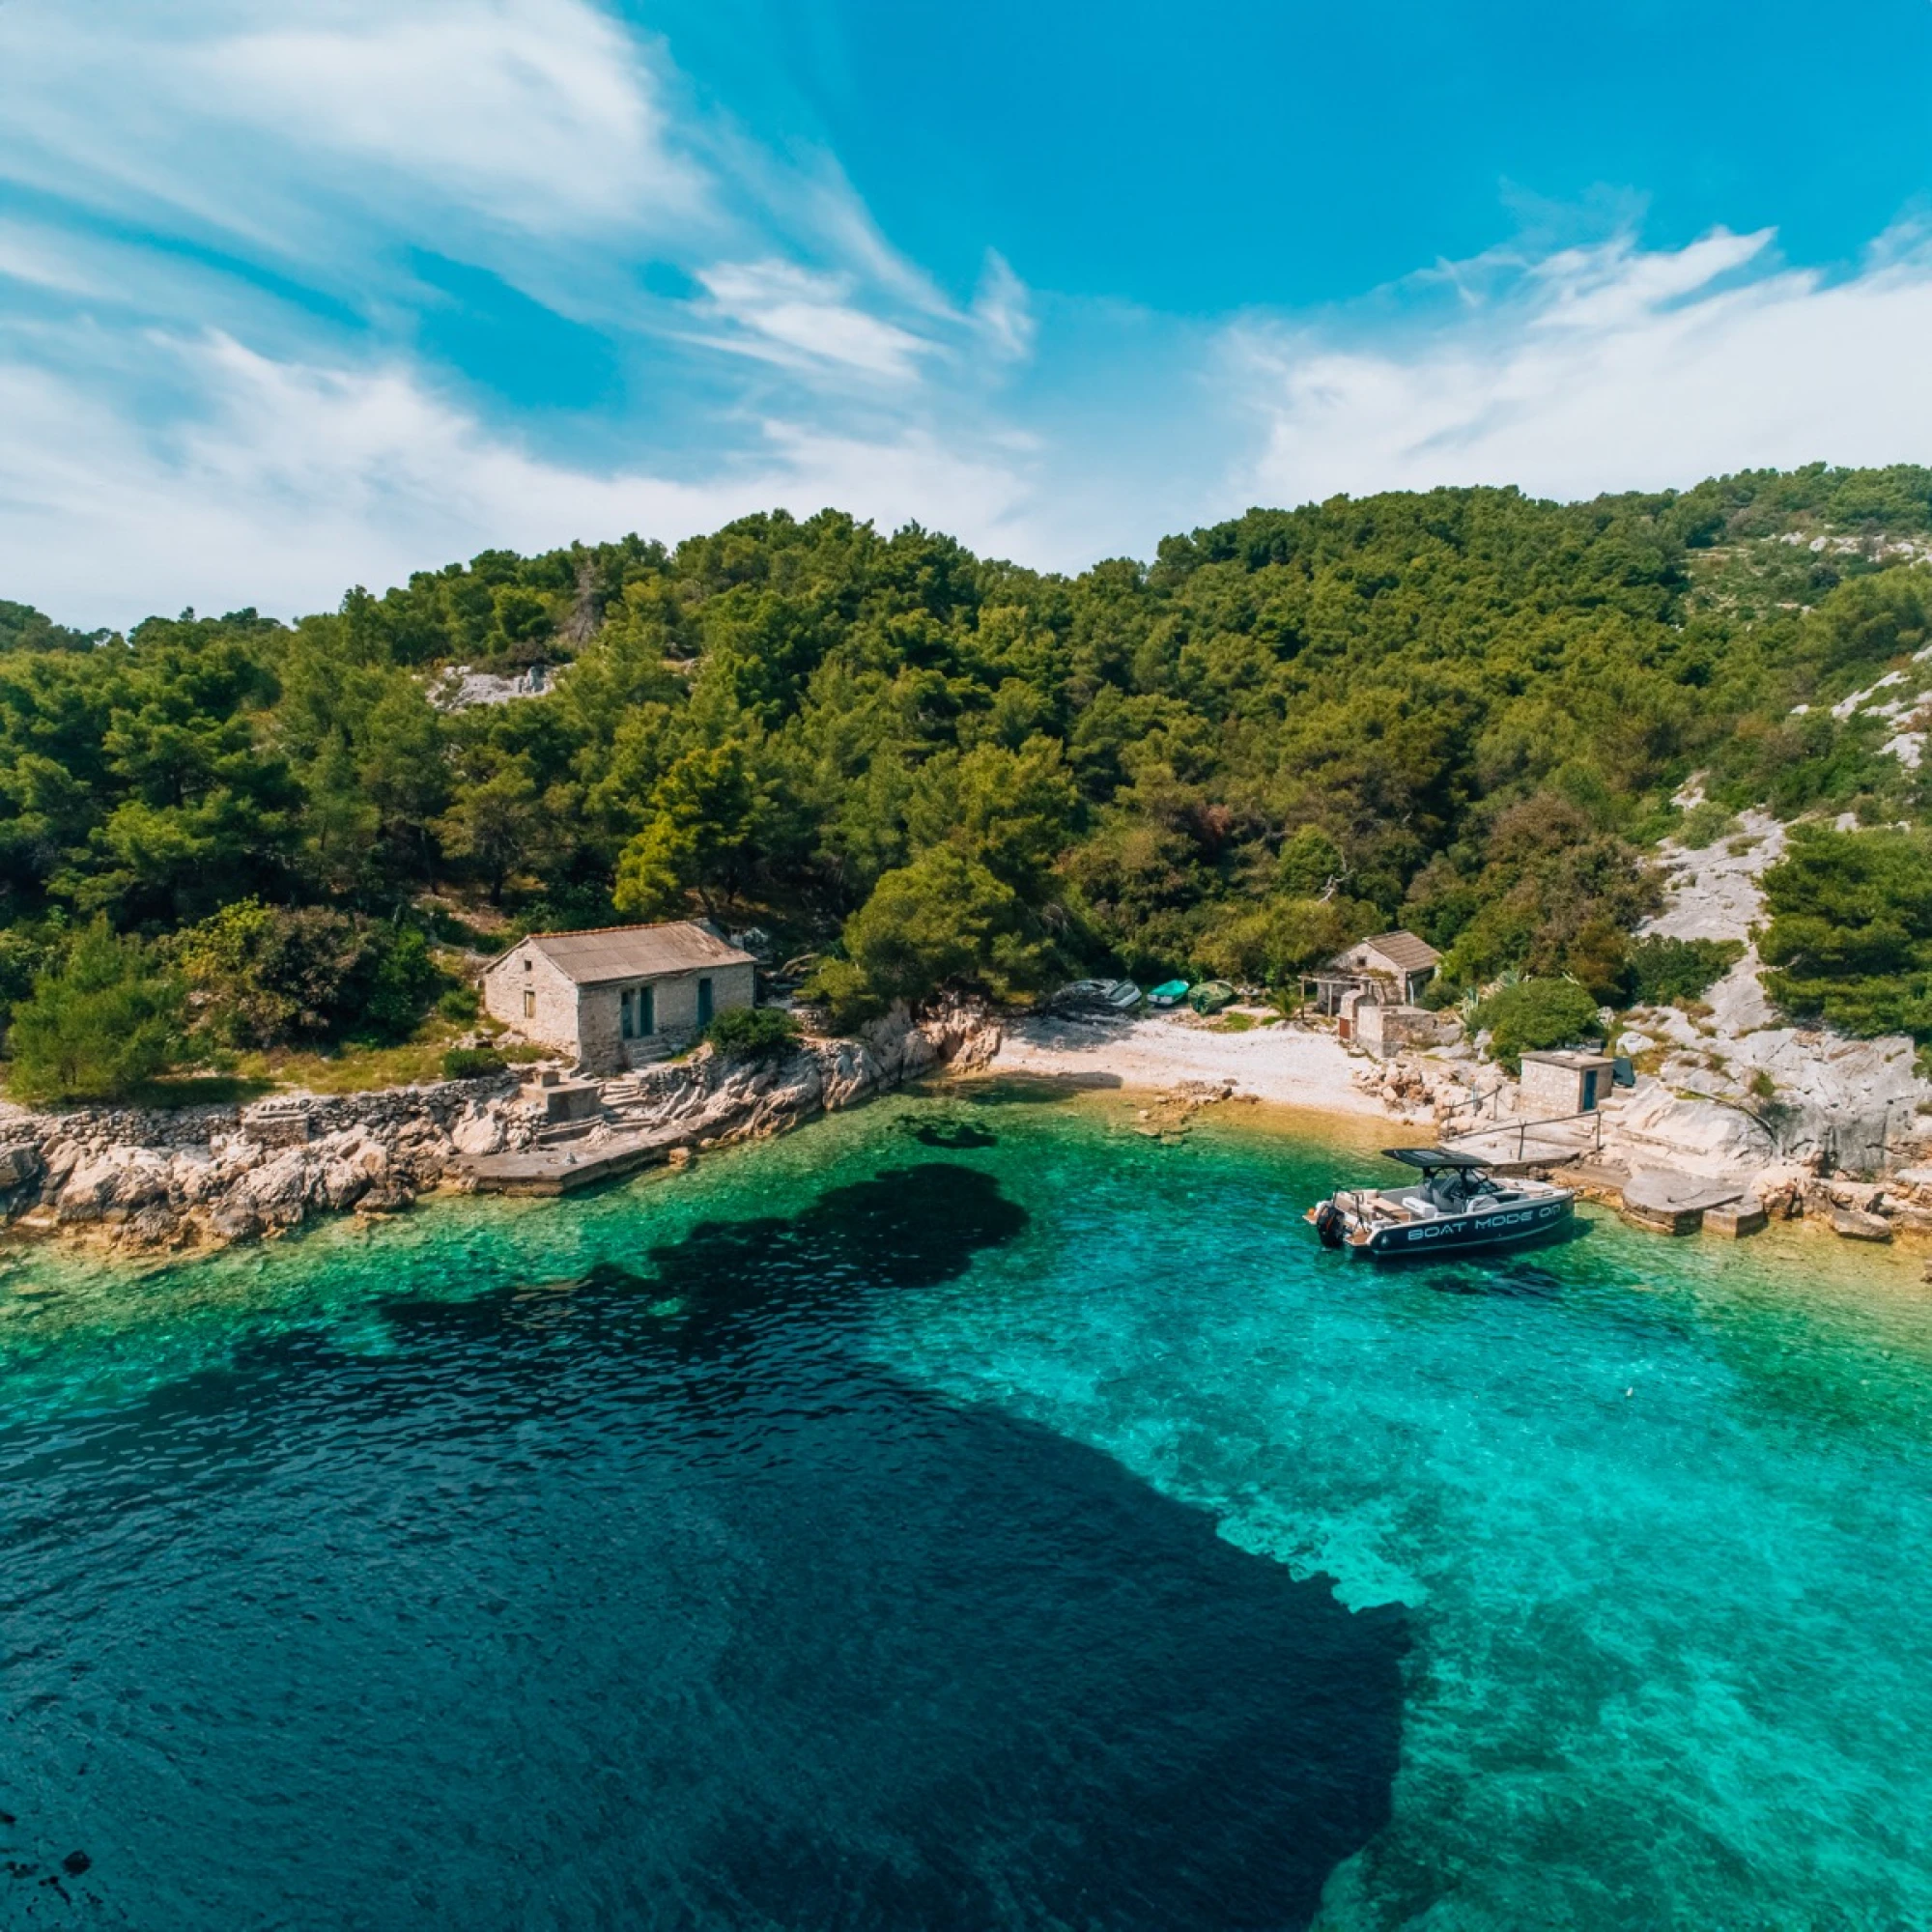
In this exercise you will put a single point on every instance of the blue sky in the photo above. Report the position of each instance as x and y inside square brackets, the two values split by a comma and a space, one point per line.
[294, 296]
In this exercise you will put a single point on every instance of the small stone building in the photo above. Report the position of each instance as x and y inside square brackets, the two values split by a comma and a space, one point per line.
[1386, 1031]
[1390, 970]
[1558, 1084]
[617, 996]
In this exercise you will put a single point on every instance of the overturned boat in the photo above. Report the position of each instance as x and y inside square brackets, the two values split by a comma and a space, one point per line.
[1095, 996]
[1456, 1202]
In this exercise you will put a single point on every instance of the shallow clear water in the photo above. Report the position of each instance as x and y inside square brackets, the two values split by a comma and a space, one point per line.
[966, 1513]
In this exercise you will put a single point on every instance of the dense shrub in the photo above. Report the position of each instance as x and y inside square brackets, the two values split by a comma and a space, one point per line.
[753, 1033]
[1534, 1015]
[1659, 970]
[277, 976]
[1850, 939]
[472, 1062]
[1282, 937]
[460, 1002]
[99, 1024]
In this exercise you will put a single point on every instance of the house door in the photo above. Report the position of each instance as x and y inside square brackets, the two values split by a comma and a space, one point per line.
[625, 1018]
[1590, 1091]
[704, 1003]
[648, 1012]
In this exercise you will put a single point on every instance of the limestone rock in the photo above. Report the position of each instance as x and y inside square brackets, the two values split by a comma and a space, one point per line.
[482, 1129]
[1856, 1225]
[234, 1220]
[20, 1166]
[278, 1190]
[392, 1195]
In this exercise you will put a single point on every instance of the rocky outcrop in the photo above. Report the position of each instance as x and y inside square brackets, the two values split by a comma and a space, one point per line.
[662, 1111]
[211, 1176]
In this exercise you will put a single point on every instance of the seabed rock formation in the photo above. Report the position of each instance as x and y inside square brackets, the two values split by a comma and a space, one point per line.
[208, 1177]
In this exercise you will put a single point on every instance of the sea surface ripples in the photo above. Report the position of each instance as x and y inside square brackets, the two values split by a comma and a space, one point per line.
[964, 1515]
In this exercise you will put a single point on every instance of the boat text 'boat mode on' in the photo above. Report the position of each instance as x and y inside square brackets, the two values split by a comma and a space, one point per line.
[1457, 1203]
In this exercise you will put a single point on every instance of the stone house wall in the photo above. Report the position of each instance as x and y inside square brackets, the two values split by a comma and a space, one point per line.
[525, 970]
[674, 1010]
[1387, 1030]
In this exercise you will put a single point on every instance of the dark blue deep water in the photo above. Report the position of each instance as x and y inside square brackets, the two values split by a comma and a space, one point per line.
[965, 1515]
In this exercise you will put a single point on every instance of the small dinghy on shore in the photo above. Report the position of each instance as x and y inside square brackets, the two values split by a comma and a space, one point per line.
[1457, 1203]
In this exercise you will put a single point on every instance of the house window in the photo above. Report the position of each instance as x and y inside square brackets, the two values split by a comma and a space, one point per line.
[530, 1002]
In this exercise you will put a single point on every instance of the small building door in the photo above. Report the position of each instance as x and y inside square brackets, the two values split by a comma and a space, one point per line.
[1589, 1091]
[648, 1012]
[704, 1003]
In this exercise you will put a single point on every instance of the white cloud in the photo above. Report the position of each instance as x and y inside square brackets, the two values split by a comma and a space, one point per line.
[244, 121]
[1002, 310]
[1600, 369]
[536, 112]
[290, 481]
[805, 320]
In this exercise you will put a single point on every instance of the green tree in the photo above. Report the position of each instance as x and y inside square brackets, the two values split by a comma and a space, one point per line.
[1850, 938]
[701, 816]
[1534, 1015]
[943, 920]
[97, 1026]
[498, 823]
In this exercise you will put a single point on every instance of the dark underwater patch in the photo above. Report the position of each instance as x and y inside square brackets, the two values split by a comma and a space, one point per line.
[570, 1610]
[955, 1135]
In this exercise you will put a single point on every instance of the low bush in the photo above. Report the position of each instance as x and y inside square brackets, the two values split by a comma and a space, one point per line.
[1704, 824]
[264, 975]
[460, 1002]
[472, 1062]
[1660, 970]
[753, 1033]
[1534, 1015]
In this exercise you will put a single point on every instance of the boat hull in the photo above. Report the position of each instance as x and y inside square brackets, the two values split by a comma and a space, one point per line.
[1521, 1221]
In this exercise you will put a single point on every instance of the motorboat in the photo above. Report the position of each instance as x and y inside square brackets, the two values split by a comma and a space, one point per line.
[1456, 1202]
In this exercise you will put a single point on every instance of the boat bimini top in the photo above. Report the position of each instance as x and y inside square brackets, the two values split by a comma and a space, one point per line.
[1451, 1182]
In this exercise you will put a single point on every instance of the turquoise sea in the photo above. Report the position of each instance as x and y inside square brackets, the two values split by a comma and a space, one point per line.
[966, 1513]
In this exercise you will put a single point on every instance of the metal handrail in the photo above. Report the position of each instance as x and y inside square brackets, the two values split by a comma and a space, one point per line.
[1523, 1128]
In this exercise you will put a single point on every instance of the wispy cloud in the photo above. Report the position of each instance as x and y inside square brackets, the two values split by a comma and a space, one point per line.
[790, 315]
[249, 351]
[212, 321]
[287, 482]
[1598, 368]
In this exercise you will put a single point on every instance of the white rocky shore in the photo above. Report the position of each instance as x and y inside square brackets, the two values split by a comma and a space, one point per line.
[208, 1177]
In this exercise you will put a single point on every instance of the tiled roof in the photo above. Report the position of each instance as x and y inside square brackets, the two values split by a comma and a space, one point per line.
[608, 952]
[1405, 952]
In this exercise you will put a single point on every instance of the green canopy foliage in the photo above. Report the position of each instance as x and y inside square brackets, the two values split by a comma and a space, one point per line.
[1850, 938]
[98, 1025]
[1535, 1015]
[1461, 710]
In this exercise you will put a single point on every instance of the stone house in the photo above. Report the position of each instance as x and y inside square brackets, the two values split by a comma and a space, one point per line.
[1393, 969]
[617, 996]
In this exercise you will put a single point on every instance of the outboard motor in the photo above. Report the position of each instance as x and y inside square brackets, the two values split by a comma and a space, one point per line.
[1328, 1224]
